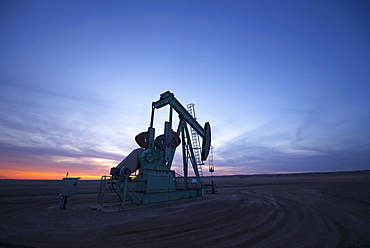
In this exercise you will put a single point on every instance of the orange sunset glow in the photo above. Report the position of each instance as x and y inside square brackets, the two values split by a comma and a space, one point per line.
[29, 175]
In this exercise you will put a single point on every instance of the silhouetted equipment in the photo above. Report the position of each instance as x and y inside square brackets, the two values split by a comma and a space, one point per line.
[69, 187]
[211, 168]
[154, 181]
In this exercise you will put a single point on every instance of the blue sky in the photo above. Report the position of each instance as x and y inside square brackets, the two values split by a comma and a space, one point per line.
[284, 84]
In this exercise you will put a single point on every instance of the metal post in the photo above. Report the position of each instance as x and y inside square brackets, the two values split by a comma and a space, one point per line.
[124, 191]
[192, 159]
[63, 202]
[152, 117]
[184, 159]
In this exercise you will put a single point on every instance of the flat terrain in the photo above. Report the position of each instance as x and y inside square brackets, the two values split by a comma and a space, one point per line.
[307, 210]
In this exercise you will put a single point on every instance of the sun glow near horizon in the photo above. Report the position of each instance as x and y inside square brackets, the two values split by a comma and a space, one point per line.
[27, 175]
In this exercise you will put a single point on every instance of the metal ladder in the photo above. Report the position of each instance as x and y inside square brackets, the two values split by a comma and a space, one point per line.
[196, 142]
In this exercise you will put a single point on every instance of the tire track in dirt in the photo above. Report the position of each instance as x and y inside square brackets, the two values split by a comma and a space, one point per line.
[277, 215]
[238, 221]
[325, 230]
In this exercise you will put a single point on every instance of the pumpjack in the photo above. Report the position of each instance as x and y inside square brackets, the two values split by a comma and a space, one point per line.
[154, 181]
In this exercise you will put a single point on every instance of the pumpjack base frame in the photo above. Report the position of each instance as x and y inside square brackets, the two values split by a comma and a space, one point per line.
[157, 197]
[125, 190]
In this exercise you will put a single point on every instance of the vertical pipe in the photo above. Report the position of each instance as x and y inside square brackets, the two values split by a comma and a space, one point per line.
[168, 134]
[170, 117]
[192, 159]
[152, 117]
[184, 159]
[151, 130]
[168, 148]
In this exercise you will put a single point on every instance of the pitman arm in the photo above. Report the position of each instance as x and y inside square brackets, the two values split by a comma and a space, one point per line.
[169, 98]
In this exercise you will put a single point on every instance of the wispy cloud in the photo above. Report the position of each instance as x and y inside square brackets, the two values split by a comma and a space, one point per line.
[308, 145]
[46, 134]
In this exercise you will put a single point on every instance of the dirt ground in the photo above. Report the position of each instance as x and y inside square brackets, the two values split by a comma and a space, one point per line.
[309, 210]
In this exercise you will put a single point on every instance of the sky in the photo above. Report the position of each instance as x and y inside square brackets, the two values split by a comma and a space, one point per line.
[284, 84]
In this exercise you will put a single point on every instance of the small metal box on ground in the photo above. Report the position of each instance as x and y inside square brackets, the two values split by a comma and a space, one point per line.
[69, 188]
